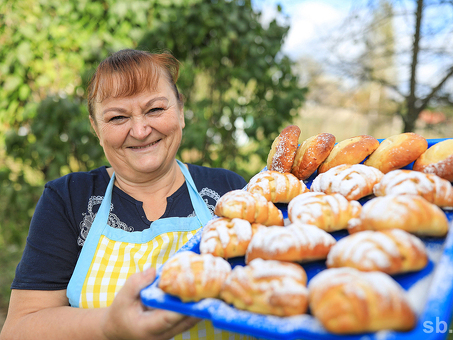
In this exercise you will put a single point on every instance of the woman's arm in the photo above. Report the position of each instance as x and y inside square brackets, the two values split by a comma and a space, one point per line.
[46, 315]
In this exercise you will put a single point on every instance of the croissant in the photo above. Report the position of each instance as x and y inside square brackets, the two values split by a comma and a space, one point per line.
[276, 187]
[431, 187]
[267, 287]
[251, 207]
[352, 181]
[346, 300]
[296, 242]
[193, 277]
[226, 237]
[411, 213]
[329, 212]
[391, 251]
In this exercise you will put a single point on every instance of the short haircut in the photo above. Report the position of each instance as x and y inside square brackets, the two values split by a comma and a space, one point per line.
[129, 72]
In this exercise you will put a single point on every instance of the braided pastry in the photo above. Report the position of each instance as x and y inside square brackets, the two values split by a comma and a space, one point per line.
[251, 207]
[352, 181]
[346, 300]
[431, 187]
[226, 237]
[283, 150]
[276, 187]
[267, 287]
[311, 154]
[411, 213]
[437, 160]
[397, 151]
[349, 151]
[193, 277]
[391, 251]
[295, 243]
[329, 212]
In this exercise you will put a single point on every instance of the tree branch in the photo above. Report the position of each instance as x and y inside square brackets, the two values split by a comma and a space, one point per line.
[426, 100]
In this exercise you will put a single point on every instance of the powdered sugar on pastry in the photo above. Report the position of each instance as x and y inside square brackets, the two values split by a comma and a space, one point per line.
[431, 187]
[352, 181]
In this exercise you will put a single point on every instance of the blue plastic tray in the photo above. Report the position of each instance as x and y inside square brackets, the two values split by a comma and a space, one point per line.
[430, 292]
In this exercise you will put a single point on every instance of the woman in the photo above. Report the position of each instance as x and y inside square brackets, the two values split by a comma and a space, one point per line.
[96, 237]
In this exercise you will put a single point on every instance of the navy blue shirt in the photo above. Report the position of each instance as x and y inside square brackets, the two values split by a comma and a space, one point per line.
[67, 208]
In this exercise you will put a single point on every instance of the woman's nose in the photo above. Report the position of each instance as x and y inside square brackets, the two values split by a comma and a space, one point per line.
[140, 128]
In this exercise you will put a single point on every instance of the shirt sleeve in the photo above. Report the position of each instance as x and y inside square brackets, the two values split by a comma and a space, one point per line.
[51, 251]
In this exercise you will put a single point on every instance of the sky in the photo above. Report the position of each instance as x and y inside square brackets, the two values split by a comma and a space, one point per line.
[313, 20]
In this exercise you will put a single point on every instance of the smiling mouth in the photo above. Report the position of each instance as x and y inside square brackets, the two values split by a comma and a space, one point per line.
[145, 146]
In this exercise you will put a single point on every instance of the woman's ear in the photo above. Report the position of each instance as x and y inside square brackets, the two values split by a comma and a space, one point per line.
[95, 129]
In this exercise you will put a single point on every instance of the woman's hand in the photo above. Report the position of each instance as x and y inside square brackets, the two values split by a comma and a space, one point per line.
[127, 318]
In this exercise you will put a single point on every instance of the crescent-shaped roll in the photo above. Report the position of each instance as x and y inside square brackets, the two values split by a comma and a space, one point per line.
[437, 160]
[411, 213]
[226, 237]
[267, 287]
[311, 153]
[348, 301]
[431, 187]
[390, 251]
[349, 151]
[352, 181]
[251, 207]
[329, 212]
[283, 150]
[397, 151]
[276, 187]
[295, 243]
[193, 277]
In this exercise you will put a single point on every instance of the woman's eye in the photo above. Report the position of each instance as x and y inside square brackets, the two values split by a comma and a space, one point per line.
[116, 118]
[156, 109]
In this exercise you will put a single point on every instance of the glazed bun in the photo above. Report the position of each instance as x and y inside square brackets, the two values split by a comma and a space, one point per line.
[437, 160]
[283, 150]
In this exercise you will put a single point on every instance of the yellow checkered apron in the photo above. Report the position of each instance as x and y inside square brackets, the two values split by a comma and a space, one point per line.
[109, 256]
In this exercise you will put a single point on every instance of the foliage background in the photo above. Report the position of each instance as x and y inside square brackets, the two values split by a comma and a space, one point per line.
[239, 90]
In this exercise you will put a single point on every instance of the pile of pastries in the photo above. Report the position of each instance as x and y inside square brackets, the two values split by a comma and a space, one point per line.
[356, 292]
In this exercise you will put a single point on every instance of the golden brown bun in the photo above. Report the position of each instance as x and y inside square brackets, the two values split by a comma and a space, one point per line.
[411, 213]
[226, 237]
[311, 154]
[193, 277]
[251, 207]
[397, 151]
[276, 187]
[346, 300]
[390, 251]
[295, 243]
[431, 187]
[283, 150]
[437, 160]
[267, 287]
[352, 181]
[329, 212]
[349, 151]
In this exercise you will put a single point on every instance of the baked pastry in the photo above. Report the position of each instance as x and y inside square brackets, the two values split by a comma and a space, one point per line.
[226, 237]
[431, 187]
[346, 301]
[193, 277]
[411, 213]
[352, 181]
[349, 151]
[283, 149]
[277, 187]
[251, 207]
[397, 151]
[295, 243]
[437, 160]
[311, 153]
[329, 212]
[267, 287]
[390, 251]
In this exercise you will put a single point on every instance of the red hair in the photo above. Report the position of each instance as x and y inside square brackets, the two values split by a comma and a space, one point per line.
[129, 72]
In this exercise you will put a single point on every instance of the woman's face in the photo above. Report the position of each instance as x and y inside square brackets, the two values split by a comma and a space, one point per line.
[142, 133]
